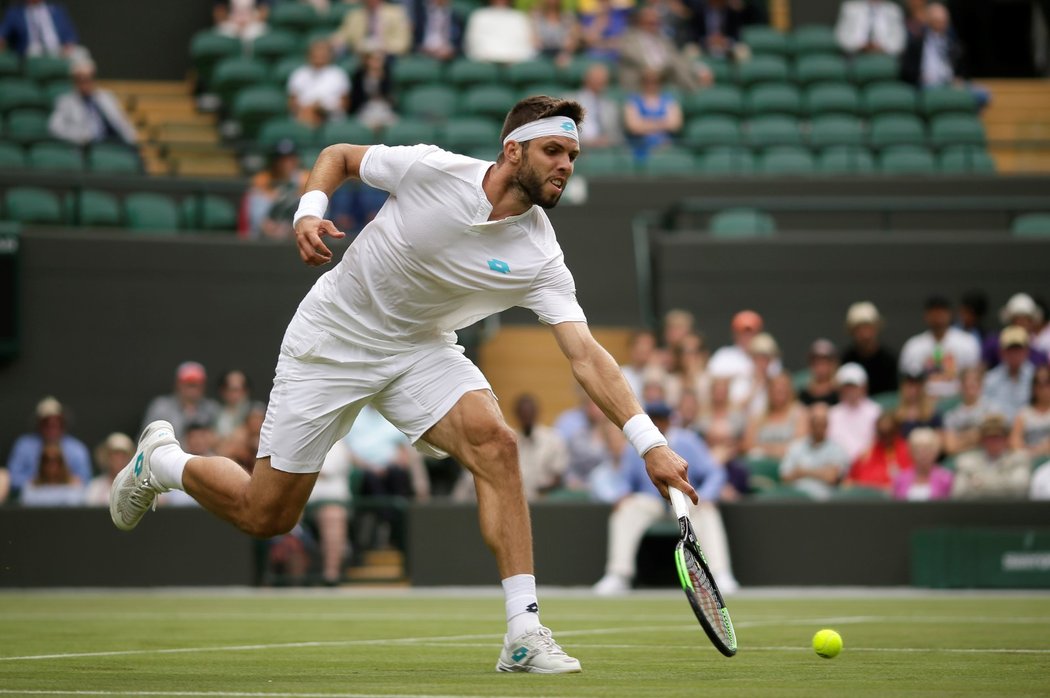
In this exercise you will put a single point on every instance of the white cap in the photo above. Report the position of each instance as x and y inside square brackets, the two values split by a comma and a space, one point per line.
[863, 312]
[1020, 304]
[851, 374]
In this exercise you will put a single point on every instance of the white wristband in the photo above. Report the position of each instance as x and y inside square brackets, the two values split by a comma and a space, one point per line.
[643, 434]
[313, 203]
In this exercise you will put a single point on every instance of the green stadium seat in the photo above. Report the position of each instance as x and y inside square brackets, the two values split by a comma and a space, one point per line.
[707, 131]
[720, 67]
[845, 159]
[800, 378]
[762, 69]
[308, 156]
[764, 131]
[282, 128]
[113, 158]
[814, 39]
[12, 157]
[786, 159]
[935, 101]
[409, 71]
[717, 99]
[907, 160]
[410, 132]
[873, 67]
[44, 68]
[337, 12]
[464, 72]
[95, 208]
[890, 98]
[284, 68]
[744, 222]
[764, 473]
[346, 131]
[669, 161]
[781, 492]
[488, 154]
[231, 75]
[209, 212]
[253, 106]
[294, 16]
[836, 130]
[539, 70]
[956, 129]
[955, 159]
[469, 133]
[32, 205]
[209, 47]
[431, 102]
[553, 89]
[27, 126]
[18, 93]
[896, 129]
[1031, 225]
[774, 99]
[53, 89]
[572, 74]
[489, 100]
[832, 99]
[349, 63]
[765, 41]
[814, 70]
[607, 162]
[148, 212]
[859, 492]
[723, 160]
[10, 65]
[65, 157]
[277, 44]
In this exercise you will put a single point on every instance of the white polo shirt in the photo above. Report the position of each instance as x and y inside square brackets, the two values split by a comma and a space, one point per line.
[431, 262]
[325, 86]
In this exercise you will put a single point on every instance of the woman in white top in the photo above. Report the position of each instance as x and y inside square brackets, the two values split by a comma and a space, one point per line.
[1031, 430]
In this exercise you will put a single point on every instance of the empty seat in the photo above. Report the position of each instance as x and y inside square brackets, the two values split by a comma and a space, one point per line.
[470, 133]
[814, 39]
[906, 159]
[956, 129]
[32, 205]
[786, 159]
[409, 71]
[762, 69]
[464, 72]
[836, 130]
[669, 161]
[346, 131]
[947, 100]
[873, 67]
[432, 102]
[811, 70]
[18, 93]
[410, 132]
[608, 162]
[897, 130]
[832, 99]
[95, 208]
[275, 45]
[717, 99]
[572, 73]
[44, 68]
[741, 222]
[295, 16]
[11, 156]
[774, 99]
[727, 160]
[209, 47]
[56, 156]
[27, 126]
[113, 157]
[151, 212]
[284, 68]
[766, 131]
[539, 70]
[552, 89]
[890, 98]
[10, 65]
[209, 212]
[284, 128]
[1035, 225]
[764, 41]
[234, 74]
[845, 159]
[255, 105]
[489, 100]
[707, 131]
[956, 159]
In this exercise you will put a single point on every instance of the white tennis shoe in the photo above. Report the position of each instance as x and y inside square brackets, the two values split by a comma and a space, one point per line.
[536, 652]
[133, 491]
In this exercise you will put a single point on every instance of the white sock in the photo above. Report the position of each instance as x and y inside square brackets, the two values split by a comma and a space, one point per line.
[523, 612]
[167, 463]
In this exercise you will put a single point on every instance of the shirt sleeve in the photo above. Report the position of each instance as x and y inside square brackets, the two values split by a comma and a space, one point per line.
[383, 167]
[553, 294]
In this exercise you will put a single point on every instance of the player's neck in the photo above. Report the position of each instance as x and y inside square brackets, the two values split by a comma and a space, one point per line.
[506, 198]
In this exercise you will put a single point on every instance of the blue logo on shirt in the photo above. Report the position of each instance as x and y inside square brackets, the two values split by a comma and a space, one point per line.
[499, 265]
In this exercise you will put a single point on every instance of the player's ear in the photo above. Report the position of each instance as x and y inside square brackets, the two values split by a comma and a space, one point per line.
[512, 152]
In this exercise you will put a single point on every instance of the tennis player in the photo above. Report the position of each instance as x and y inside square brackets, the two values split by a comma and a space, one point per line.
[458, 239]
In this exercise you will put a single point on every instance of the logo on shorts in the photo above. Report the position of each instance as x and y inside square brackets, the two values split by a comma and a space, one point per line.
[499, 265]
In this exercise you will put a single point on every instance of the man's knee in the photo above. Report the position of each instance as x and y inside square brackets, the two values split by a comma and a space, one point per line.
[269, 523]
[493, 449]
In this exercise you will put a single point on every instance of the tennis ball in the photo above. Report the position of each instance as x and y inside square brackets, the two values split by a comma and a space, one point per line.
[827, 643]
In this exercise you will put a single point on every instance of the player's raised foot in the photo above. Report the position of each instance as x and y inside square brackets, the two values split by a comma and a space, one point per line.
[133, 490]
[536, 652]
[612, 585]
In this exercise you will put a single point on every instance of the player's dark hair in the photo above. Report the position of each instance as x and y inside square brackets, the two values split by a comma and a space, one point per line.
[540, 107]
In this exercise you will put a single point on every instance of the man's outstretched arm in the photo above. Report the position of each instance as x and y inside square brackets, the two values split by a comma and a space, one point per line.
[334, 165]
[600, 376]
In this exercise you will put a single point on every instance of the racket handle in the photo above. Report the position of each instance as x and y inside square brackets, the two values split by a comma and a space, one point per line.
[679, 502]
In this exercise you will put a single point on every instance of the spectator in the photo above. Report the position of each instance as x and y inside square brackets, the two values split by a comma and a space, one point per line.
[725, 449]
[925, 480]
[1031, 427]
[863, 323]
[604, 128]
[717, 24]
[765, 360]
[1039, 489]
[851, 423]
[372, 94]
[934, 57]
[319, 90]
[111, 456]
[592, 448]
[734, 361]
[687, 412]
[54, 483]
[437, 29]
[602, 30]
[1008, 387]
[1041, 333]
[353, 205]
[962, 423]
[556, 30]
[641, 364]
[5, 484]
[686, 371]
[915, 20]
[51, 426]
[187, 404]
[575, 419]
[1023, 311]
[375, 25]
[720, 410]
[235, 393]
[89, 114]
[770, 433]
[887, 456]
[39, 28]
[499, 34]
[993, 470]
[542, 454]
[823, 362]
[941, 351]
[651, 116]
[973, 306]
[646, 53]
[678, 324]
[814, 464]
[328, 503]
[241, 19]
[274, 195]
[915, 407]
[870, 26]
[642, 505]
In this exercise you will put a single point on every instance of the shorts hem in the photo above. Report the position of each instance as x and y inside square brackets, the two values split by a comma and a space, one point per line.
[287, 466]
[425, 447]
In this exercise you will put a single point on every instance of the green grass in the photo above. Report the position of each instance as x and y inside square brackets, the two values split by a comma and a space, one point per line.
[416, 644]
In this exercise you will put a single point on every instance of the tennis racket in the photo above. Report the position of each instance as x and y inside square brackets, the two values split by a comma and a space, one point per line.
[697, 582]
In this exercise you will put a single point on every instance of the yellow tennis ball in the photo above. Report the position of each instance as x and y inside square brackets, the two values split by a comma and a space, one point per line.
[827, 643]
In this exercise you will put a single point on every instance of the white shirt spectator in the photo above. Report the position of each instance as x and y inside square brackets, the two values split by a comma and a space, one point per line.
[1039, 488]
[862, 22]
[325, 86]
[499, 35]
[804, 454]
[853, 428]
[923, 353]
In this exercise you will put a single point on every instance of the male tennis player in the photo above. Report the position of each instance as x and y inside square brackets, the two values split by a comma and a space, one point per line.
[458, 239]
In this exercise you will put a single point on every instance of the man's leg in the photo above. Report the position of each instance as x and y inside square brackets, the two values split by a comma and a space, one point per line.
[627, 525]
[707, 521]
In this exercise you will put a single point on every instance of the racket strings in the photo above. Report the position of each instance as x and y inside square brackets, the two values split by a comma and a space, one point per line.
[704, 594]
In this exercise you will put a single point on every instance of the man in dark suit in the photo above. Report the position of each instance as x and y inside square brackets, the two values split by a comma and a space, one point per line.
[36, 28]
[717, 23]
[437, 29]
[933, 57]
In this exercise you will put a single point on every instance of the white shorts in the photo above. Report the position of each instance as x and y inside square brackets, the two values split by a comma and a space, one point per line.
[322, 383]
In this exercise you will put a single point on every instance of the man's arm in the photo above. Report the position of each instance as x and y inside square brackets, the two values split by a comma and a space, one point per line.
[334, 165]
[600, 376]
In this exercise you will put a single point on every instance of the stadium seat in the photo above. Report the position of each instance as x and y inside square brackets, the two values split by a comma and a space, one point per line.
[717, 99]
[720, 67]
[10, 65]
[53, 89]
[779, 492]
[707, 131]
[209, 47]
[298, 17]
[554, 89]
[1031, 225]
[814, 39]
[431, 102]
[764, 131]
[44, 68]
[32, 205]
[113, 158]
[95, 208]
[488, 100]
[935, 101]
[572, 74]
[814, 70]
[764, 472]
[150, 212]
[234, 74]
[409, 71]
[284, 68]
[346, 131]
[906, 160]
[410, 132]
[786, 159]
[859, 492]
[208, 212]
[277, 44]
[19, 93]
[282, 128]
[836, 130]
[669, 161]
[956, 129]
[469, 133]
[308, 156]
[897, 129]
[773, 99]
[873, 67]
[762, 69]
[742, 222]
[845, 159]
[539, 70]
[955, 159]
[255, 105]
[890, 98]
[464, 73]
[27, 126]
[723, 160]
[607, 162]
[65, 157]
[765, 41]
[12, 157]
[832, 99]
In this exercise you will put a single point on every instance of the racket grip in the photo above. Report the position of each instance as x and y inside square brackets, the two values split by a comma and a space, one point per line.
[679, 502]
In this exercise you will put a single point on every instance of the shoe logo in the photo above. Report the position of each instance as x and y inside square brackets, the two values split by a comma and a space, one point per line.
[532, 608]
[519, 654]
[138, 464]
[499, 265]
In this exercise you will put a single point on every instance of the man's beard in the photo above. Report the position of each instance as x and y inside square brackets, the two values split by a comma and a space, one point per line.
[531, 183]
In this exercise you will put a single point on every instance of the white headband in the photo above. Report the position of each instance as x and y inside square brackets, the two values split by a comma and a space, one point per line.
[549, 126]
